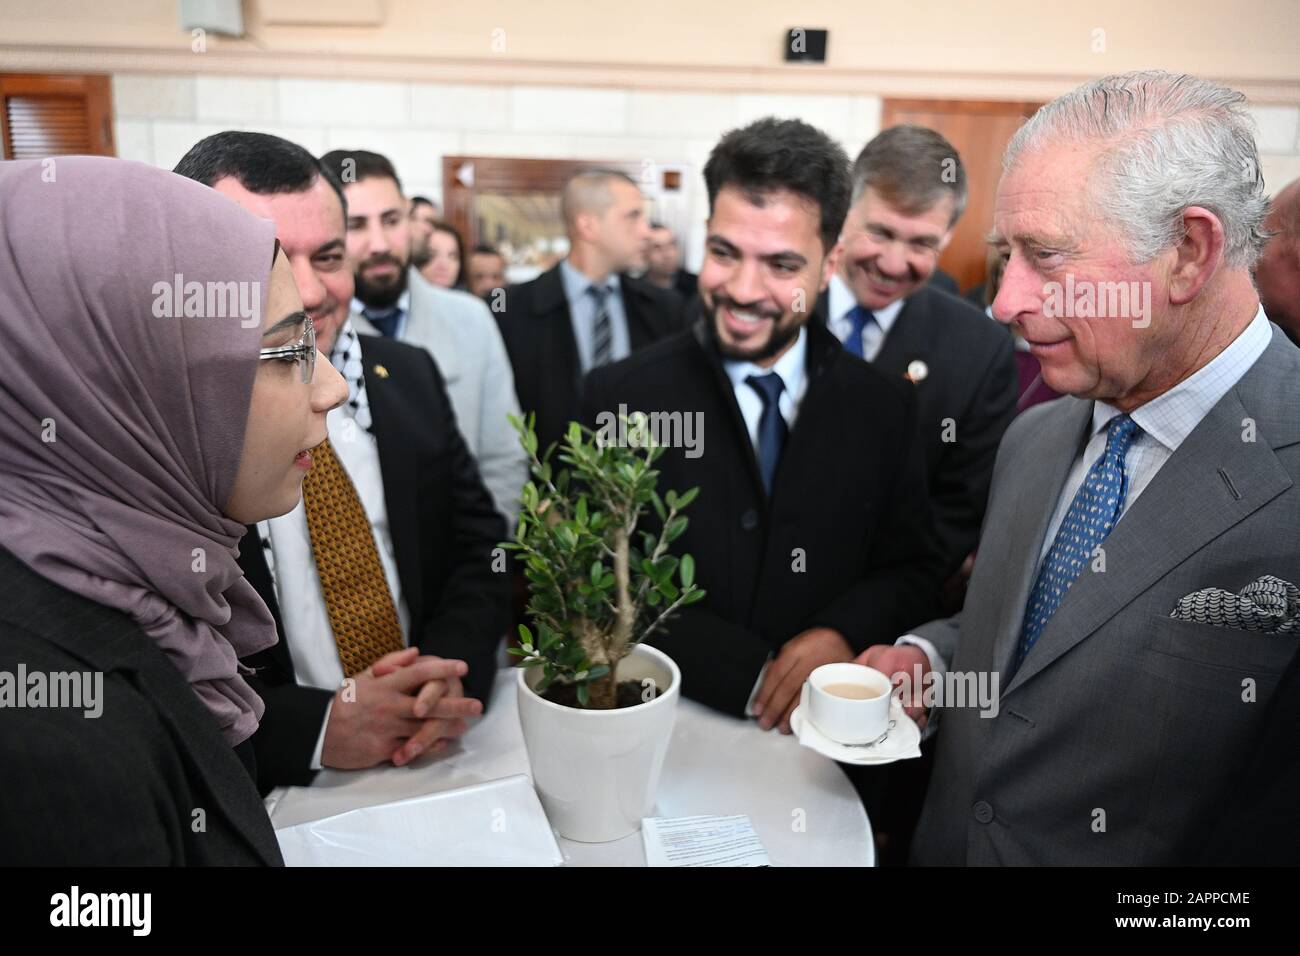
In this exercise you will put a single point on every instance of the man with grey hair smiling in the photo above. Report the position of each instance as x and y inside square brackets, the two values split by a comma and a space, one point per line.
[1135, 590]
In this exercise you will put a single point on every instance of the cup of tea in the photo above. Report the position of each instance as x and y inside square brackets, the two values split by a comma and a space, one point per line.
[849, 703]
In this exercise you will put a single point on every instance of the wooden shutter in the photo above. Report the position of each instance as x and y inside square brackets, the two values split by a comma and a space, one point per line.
[55, 115]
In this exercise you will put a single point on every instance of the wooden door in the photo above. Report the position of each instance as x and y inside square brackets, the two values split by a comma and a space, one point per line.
[979, 130]
[55, 115]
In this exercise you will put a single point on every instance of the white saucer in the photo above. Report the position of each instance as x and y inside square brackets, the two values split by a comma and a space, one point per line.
[903, 742]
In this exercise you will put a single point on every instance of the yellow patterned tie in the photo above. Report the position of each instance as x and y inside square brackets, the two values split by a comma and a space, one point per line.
[360, 606]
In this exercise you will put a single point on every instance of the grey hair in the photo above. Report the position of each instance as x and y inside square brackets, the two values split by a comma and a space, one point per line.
[1168, 141]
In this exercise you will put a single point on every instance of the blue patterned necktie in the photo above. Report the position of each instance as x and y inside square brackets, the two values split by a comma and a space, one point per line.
[859, 317]
[1096, 507]
[385, 320]
[602, 330]
[771, 427]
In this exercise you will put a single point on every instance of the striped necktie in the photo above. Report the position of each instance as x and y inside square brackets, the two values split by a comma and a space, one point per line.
[602, 329]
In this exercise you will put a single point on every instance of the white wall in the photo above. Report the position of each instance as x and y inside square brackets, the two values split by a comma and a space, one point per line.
[159, 117]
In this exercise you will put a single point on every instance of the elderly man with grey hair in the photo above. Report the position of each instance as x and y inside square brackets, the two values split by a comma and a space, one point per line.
[1134, 603]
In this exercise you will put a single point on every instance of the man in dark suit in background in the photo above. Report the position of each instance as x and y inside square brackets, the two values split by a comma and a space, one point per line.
[584, 312]
[664, 263]
[812, 531]
[909, 190]
[384, 573]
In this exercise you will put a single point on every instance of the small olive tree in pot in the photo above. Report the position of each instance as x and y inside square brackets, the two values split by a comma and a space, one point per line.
[598, 586]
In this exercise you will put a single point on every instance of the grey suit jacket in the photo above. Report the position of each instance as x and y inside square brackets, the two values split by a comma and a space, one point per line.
[458, 330]
[1115, 741]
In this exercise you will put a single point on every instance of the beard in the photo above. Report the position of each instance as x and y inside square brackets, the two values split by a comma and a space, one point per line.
[383, 294]
[783, 333]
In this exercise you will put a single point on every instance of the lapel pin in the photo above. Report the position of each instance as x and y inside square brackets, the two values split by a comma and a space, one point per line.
[917, 370]
[381, 371]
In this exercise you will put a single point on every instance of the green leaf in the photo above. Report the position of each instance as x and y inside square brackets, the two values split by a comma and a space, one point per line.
[516, 652]
[582, 510]
[654, 598]
[600, 670]
[659, 506]
[687, 498]
[692, 597]
[525, 635]
[670, 499]
[668, 589]
[548, 637]
[687, 570]
[596, 573]
[574, 433]
[674, 529]
[583, 694]
[664, 568]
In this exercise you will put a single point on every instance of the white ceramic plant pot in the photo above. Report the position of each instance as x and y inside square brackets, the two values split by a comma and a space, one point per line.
[597, 771]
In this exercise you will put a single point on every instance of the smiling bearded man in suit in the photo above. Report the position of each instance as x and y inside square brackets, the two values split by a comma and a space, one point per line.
[1135, 589]
[812, 531]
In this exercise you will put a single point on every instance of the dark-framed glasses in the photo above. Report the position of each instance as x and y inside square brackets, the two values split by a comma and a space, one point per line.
[303, 352]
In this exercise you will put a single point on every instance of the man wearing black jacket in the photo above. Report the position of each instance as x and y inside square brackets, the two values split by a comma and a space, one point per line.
[812, 532]
[382, 583]
[886, 305]
[584, 312]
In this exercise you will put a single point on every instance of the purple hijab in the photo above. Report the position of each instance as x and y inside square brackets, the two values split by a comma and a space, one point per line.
[121, 431]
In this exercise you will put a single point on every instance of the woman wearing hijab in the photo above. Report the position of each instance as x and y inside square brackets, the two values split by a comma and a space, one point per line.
[159, 389]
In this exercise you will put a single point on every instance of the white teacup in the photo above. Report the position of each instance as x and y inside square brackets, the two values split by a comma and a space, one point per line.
[849, 703]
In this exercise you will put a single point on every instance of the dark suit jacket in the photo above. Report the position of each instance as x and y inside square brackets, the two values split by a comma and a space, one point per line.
[1256, 821]
[845, 540]
[538, 333]
[972, 380]
[444, 527]
[118, 789]
[686, 284]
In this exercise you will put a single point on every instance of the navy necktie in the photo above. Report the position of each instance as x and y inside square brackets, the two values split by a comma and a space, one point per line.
[771, 427]
[859, 317]
[385, 320]
[1096, 507]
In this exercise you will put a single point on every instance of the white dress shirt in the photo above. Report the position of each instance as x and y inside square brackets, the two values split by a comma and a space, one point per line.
[841, 302]
[307, 632]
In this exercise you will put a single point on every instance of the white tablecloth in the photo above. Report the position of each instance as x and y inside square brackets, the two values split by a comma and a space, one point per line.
[802, 806]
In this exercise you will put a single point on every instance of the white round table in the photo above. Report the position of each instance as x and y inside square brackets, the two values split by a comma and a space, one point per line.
[803, 808]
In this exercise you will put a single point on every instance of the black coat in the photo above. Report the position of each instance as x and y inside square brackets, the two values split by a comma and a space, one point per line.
[122, 788]
[848, 505]
[538, 333]
[967, 399]
[444, 528]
